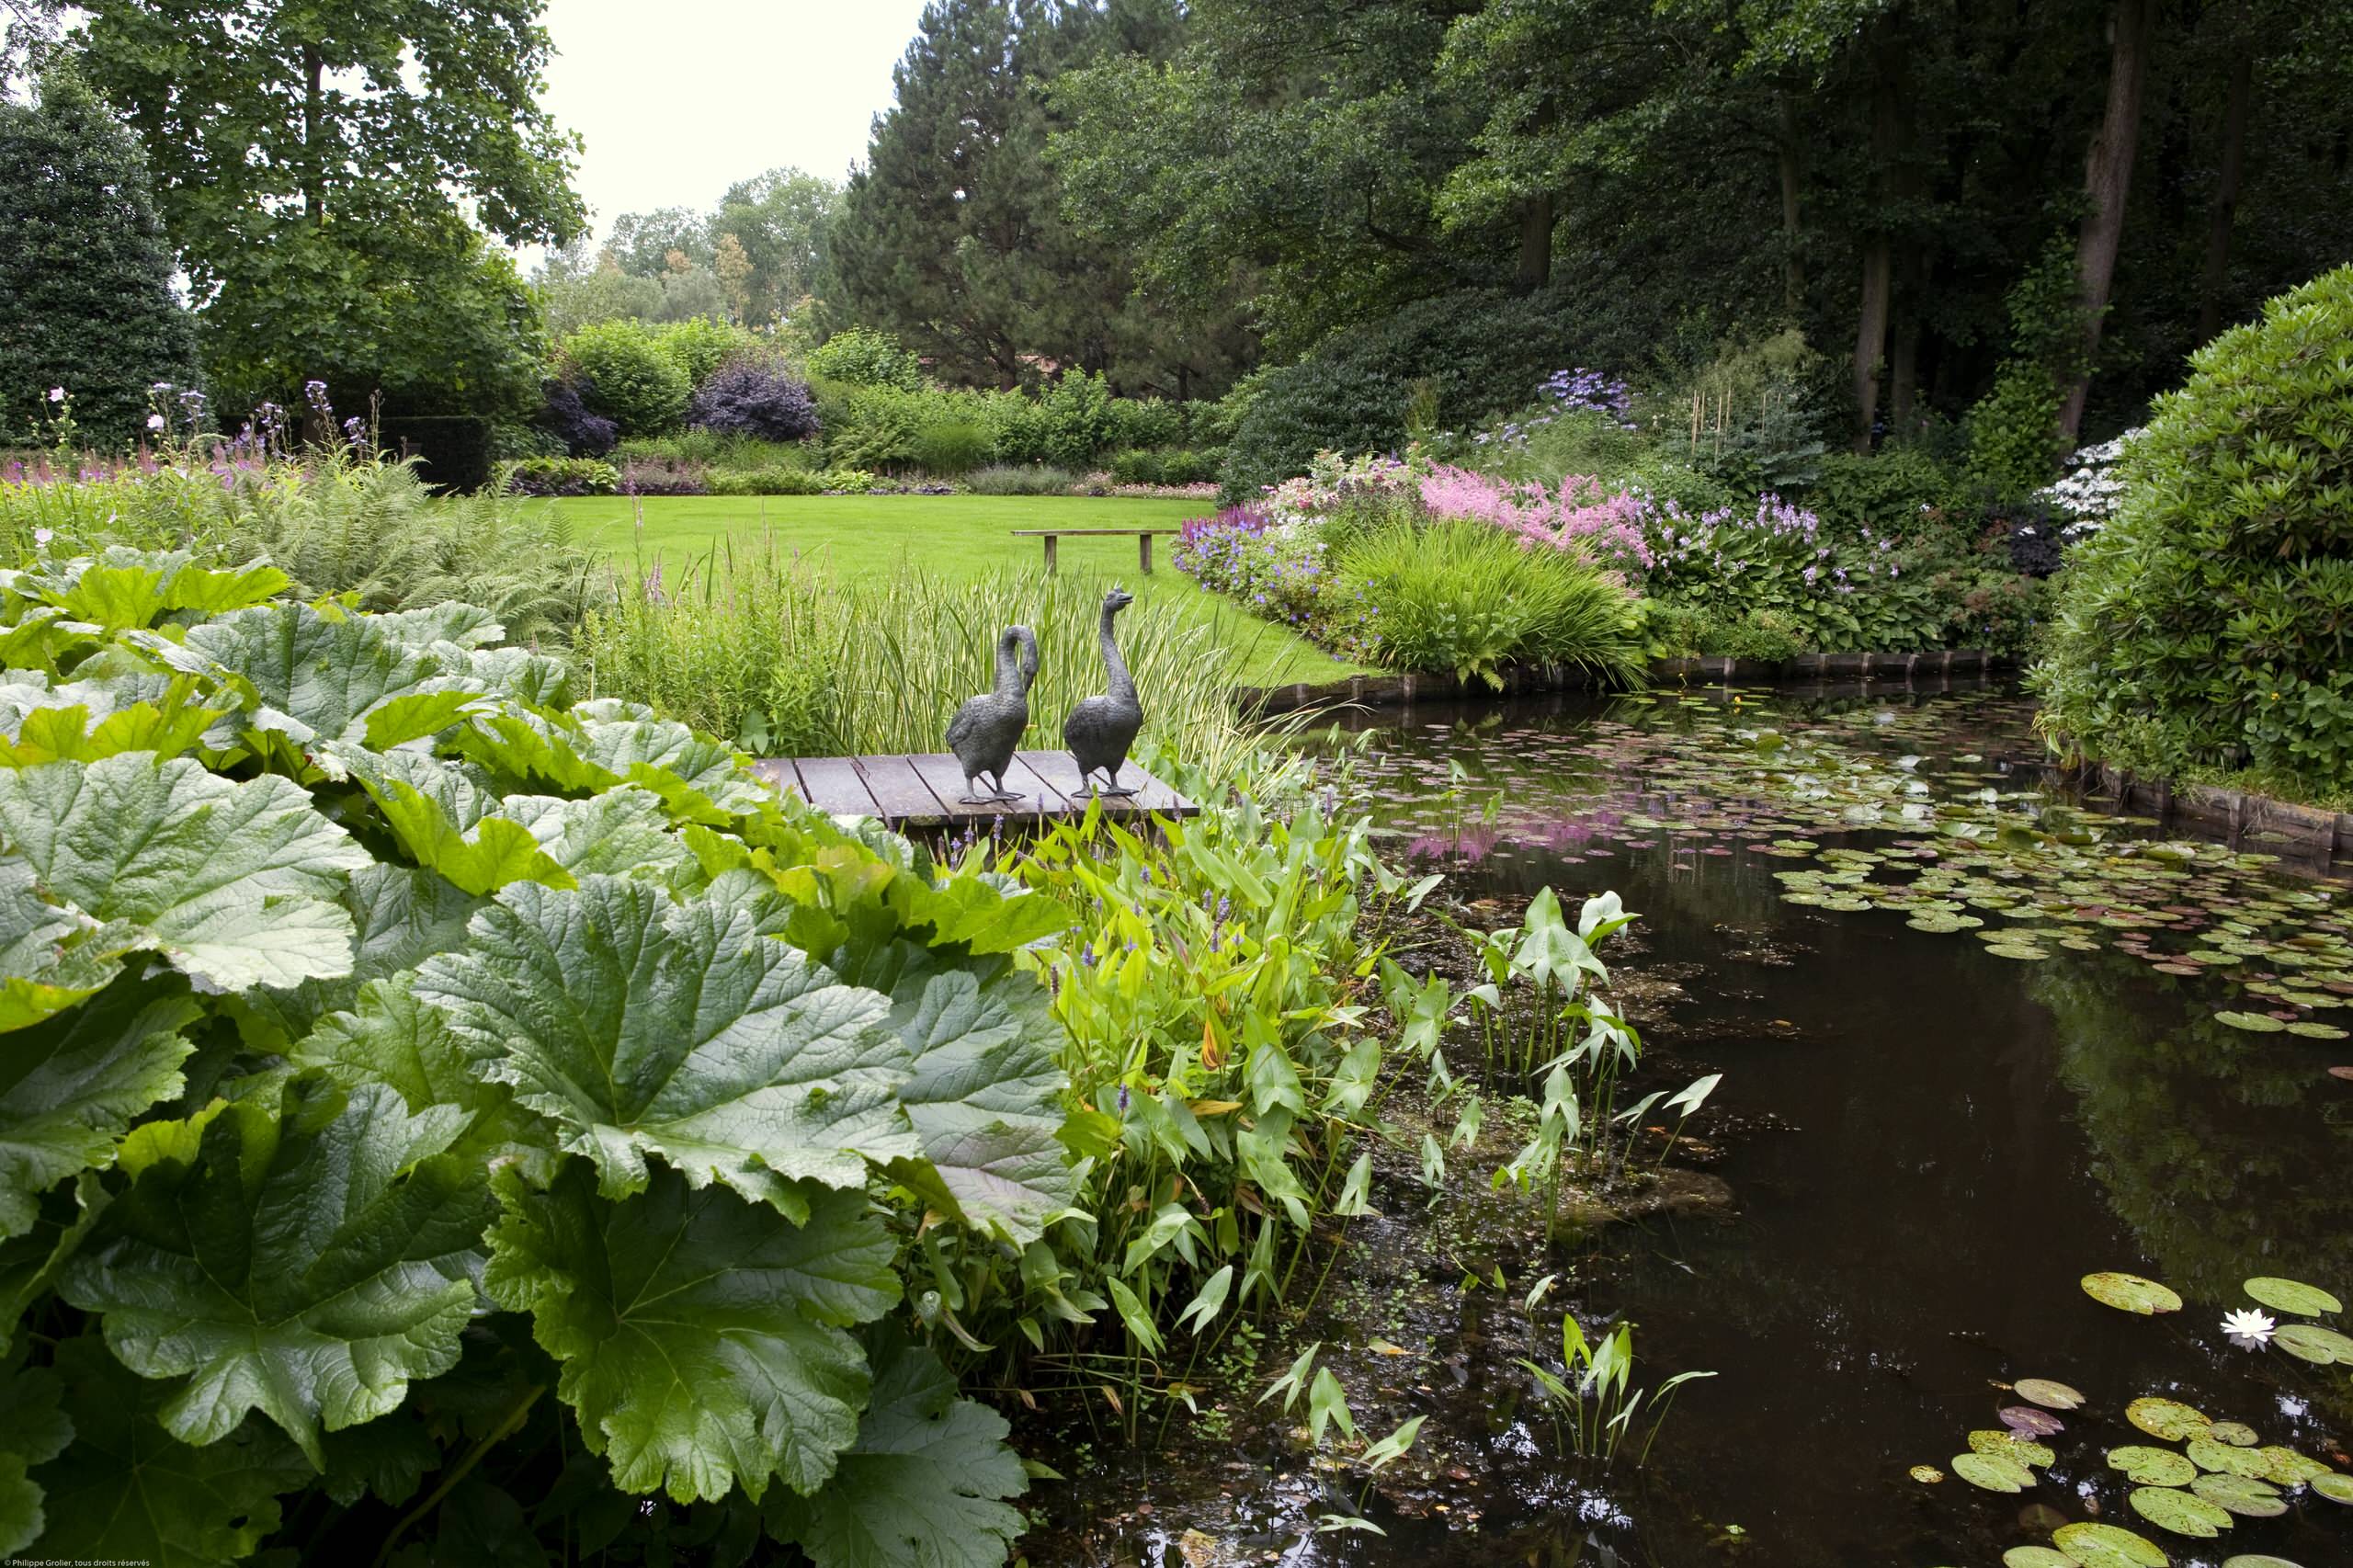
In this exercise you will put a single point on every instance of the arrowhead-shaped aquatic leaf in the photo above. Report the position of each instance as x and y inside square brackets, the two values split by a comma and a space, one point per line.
[701, 1336]
[924, 1483]
[129, 1492]
[228, 881]
[73, 1084]
[305, 1262]
[640, 1026]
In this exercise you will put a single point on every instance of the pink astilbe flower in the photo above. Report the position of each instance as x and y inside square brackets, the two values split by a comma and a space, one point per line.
[1584, 514]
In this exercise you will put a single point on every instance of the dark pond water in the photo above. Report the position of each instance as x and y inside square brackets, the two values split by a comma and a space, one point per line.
[1997, 1043]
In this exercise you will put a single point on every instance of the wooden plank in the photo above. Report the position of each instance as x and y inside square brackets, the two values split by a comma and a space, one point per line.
[1050, 801]
[1060, 769]
[778, 774]
[834, 785]
[906, 800]
[1088, 533]
[946, 777]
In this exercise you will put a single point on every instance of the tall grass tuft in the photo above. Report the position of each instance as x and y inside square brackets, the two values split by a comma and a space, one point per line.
[1469, 597]
[779, 654]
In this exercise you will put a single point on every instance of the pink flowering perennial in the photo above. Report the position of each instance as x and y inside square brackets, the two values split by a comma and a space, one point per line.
[1584, 514]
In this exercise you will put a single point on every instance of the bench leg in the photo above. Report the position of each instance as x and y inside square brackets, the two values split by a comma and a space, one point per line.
[1052, 566]
[1143, 552]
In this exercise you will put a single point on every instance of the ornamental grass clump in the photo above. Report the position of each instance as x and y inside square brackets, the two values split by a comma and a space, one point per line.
[1471, 598]
[2208, 628]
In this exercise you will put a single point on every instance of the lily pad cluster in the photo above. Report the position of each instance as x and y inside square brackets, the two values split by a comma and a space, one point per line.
[1894, 809]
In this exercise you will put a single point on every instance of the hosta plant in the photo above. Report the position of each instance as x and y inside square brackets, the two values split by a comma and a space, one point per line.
[448, 1122]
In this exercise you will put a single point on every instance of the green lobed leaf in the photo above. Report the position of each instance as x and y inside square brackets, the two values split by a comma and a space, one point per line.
[700, 1336]
[229, 880]
[306, 1262]
[128, 1492]
[924, 1483]
[643, 1027]
[74, 1082]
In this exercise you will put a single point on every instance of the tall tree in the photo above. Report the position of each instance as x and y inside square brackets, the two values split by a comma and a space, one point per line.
[296, 145]
[779, 221]
[2107, 184]
[86, 276]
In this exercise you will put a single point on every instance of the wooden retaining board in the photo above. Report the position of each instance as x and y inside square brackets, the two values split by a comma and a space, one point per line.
[926, 790]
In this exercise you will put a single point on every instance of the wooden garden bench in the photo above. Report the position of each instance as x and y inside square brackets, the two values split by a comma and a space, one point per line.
[1052, 536]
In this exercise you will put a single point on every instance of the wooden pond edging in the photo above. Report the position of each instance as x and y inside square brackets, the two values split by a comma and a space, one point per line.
[911, 790]
[2233, 817]
[1404, 690]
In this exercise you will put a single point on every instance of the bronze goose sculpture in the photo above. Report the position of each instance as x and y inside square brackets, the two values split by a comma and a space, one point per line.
[1099, 730]
[987, 728]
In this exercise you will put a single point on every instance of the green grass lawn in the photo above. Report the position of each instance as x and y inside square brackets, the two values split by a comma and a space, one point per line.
[963, 535]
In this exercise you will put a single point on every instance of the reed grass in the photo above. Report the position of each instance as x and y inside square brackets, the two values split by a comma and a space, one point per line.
[781, 655]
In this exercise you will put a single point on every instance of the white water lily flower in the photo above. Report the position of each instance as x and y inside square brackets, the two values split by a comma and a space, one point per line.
[2248, 1329]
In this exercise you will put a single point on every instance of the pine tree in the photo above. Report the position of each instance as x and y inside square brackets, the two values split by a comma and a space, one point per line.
[86, 276]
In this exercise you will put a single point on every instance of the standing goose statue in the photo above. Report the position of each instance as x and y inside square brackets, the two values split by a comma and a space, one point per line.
[987, 728]
[1100, 729]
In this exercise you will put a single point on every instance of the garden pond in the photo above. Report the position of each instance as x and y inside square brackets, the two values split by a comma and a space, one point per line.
[1979, 1039]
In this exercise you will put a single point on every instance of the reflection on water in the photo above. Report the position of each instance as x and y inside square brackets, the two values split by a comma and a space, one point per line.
[1928, 1142]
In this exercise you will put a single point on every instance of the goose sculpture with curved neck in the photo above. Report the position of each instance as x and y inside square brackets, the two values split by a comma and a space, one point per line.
[988, 729]
[1099, 730]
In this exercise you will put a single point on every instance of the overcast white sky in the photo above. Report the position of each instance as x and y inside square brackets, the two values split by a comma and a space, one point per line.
[677, 99]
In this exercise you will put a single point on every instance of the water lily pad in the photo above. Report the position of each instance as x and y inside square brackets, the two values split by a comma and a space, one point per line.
[2183, 1513]
[2238, 1434]
[2258, 1560]
[2241, 1494]
[2311, 1342]
[2049, 1394]
[2292, 1296]
[2207, 1454]
[2129, 1293]
[2006, 1444]
[1927, 1474]
[2286, 1467]
[2036, 1557]
[2167, 1418]
[2028, 1421]
[1994, 1472]
[2108, 1546]
[2254, 1023]
[2145, 1466]
[2335, 1487]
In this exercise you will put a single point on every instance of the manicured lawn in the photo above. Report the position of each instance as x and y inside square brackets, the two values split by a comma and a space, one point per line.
[948, 534]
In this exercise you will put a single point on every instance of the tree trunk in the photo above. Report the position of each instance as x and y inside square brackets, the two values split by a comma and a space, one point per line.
[1792, 260]
[2108, 183]
[1879, 251]
[1535, 244]
[2226, 198]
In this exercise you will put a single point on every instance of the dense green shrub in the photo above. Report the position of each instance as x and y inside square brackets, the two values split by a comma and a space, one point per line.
[1671, 630]
[768, 482]
[2210, 625]
[701, 345]
[1144, 422]
[1464, 356]
[628, 377]
[866, 358]
[953, 447]
[86, 271]
[750, 399]
[1066, 425]
[562, 476]
[874, 428]
[1466, 597]
[1888, 492]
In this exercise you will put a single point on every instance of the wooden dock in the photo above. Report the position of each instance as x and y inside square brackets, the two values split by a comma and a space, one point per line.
[925, 792]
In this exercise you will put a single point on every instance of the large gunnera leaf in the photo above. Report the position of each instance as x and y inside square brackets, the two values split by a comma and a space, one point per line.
[305, 1262]
[33, 1428]
[700, 1336]
[641, 1026]
[923, 1485]
[985, 1098]
[129, 1492]
[316, 676]
[230, 882]
[71, 1085]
